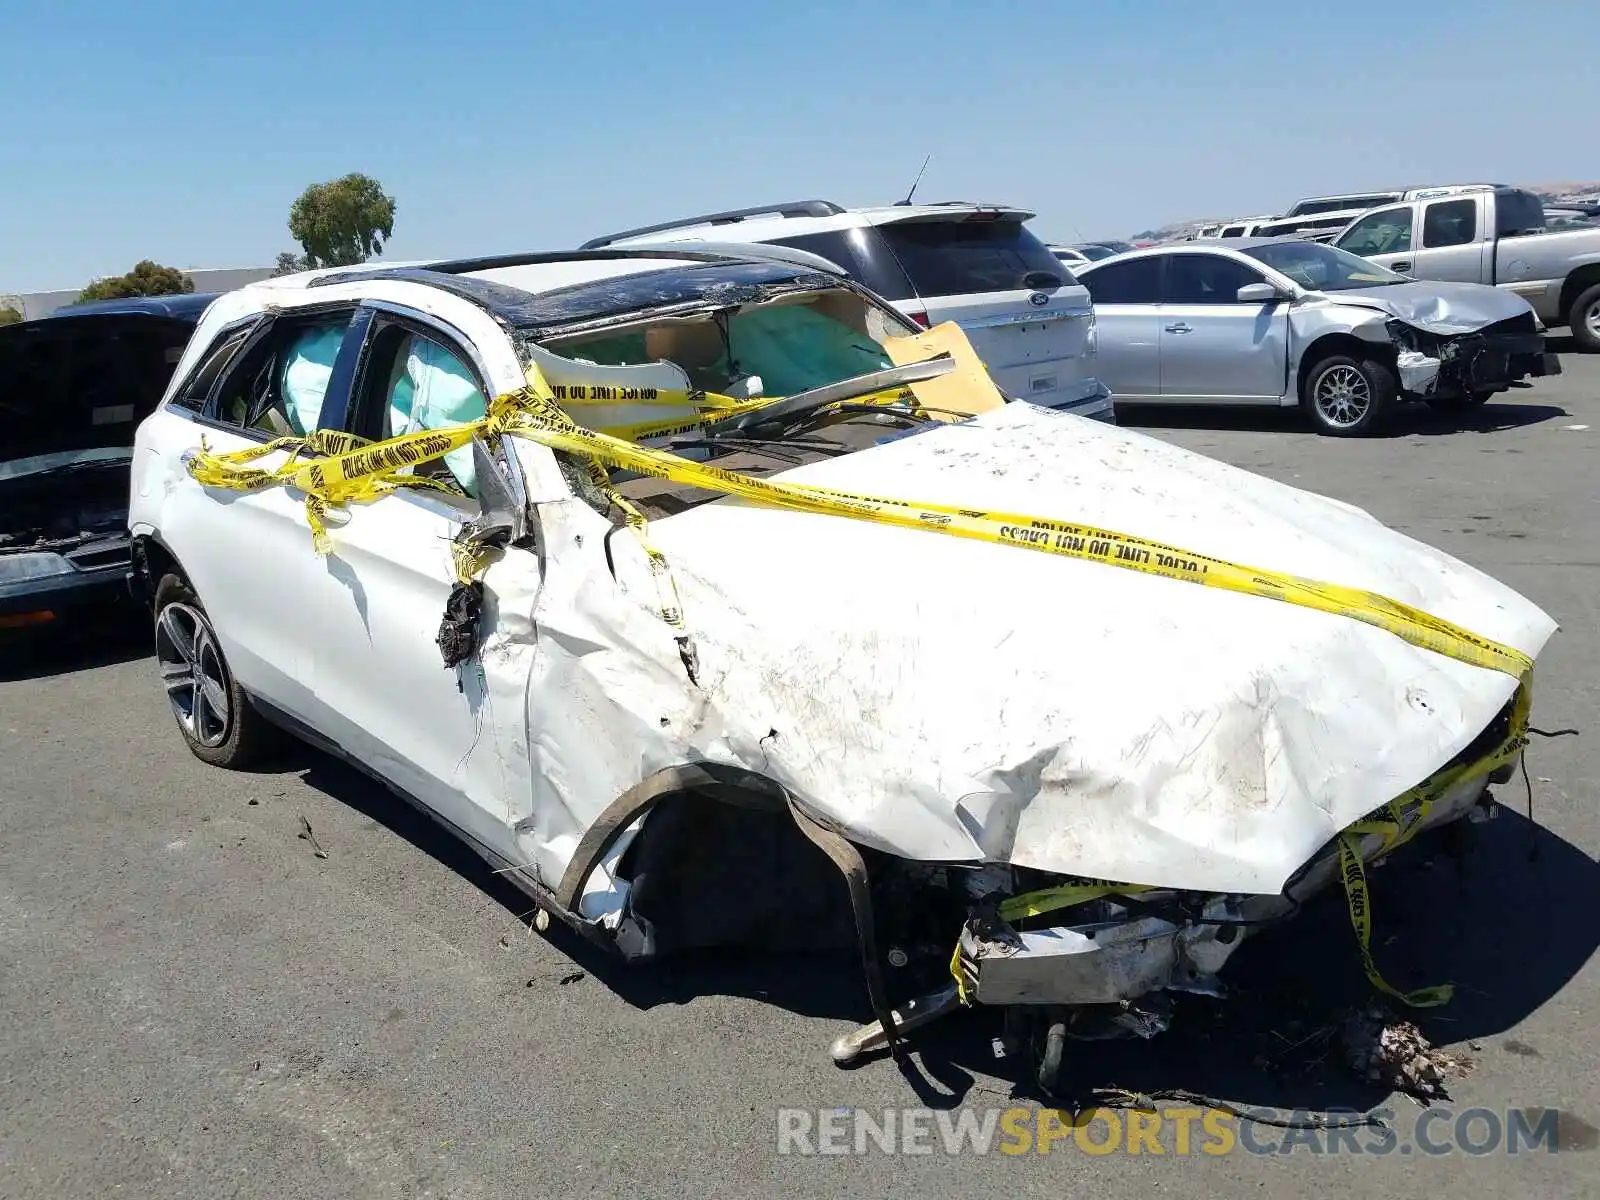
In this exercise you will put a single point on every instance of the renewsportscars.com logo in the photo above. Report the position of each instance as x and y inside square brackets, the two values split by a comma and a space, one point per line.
[1178, 1131]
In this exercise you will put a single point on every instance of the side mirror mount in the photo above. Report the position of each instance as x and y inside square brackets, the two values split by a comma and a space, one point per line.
[1258, 293]
[503, 501]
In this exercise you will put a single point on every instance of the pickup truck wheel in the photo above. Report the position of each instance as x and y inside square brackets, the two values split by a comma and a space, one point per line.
[1584, 319]
[213, 713]
[1346, 397]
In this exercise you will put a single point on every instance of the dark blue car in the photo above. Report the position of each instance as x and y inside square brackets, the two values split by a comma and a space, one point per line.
[73, 387]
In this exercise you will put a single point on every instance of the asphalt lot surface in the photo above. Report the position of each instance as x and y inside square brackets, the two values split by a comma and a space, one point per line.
[195, 1004]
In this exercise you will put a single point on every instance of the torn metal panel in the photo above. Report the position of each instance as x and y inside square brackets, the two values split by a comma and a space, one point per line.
[1111, 951]
[1418, 372]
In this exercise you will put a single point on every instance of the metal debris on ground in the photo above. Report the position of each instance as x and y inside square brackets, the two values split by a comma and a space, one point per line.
[1394, 1053]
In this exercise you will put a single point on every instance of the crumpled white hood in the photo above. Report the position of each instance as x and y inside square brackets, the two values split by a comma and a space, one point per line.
[945, 699]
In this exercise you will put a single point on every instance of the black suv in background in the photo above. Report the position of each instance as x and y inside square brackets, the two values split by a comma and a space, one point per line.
[73, 387]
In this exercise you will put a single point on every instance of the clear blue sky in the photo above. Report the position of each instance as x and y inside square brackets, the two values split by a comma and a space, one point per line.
[182, 131]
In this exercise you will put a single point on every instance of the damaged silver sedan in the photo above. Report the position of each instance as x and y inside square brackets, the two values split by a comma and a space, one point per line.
[1285, 322]
[978, 687]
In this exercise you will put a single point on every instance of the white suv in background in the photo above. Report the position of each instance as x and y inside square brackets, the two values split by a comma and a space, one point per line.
[975, 264]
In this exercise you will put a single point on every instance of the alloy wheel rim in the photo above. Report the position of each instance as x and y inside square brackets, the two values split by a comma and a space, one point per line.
[1343, 396]
[1591, 318]
[193, 673]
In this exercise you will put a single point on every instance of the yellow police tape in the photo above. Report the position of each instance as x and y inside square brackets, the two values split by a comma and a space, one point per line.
[349, 469]
[706, 406]
[345, 470]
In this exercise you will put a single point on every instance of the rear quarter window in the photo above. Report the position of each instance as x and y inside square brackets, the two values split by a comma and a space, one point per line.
[863, 254]
[956, 258]
[1517, 213]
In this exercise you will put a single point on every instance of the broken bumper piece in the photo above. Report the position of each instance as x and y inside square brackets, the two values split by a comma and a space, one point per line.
[1102, 962]
[1419, 373]
[1120, 948]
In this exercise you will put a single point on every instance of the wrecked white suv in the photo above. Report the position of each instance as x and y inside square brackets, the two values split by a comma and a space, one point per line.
[920, 683]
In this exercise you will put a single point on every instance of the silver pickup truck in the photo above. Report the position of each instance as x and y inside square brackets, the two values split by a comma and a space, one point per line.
[1496, 236]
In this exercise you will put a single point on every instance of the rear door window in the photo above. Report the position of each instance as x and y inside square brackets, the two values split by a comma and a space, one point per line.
[1516, 213]
[1449, 223]
[278, 387]
[196, 390]
[1137, 281]
[958, 258]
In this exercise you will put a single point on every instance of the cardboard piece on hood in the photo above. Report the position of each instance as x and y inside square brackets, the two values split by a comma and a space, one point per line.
[964, 392]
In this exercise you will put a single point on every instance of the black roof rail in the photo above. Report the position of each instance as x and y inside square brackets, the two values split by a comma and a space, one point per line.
[791, 208]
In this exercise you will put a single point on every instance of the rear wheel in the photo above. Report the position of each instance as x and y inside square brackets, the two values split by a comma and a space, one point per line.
[1347, 397]
[213, 713]
[1584, 319]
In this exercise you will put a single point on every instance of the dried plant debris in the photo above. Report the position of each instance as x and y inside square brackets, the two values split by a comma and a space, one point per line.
[1385, 1050]
[306, 835]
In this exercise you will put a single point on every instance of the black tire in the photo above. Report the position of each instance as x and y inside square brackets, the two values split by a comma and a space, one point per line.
[1583, 318]
[1368, 389]
[184, 636]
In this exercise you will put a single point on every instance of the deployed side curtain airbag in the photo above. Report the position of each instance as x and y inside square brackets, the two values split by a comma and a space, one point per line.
[305, 375]
[433, 389]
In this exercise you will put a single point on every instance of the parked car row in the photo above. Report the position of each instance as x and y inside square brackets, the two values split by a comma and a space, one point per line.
[1462, 233]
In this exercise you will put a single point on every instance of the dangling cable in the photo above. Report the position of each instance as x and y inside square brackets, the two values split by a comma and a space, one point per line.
[1533, 845]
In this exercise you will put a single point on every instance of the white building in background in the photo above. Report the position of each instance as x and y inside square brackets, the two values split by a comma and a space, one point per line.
[225, 279]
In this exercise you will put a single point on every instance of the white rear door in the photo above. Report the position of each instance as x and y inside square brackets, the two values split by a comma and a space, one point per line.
[249, 554]
[1026, 315]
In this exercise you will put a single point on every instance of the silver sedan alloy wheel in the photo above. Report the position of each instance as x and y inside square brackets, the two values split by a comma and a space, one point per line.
[1343, 396]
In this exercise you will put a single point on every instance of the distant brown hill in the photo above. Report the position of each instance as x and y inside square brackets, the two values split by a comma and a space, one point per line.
[1571, 188]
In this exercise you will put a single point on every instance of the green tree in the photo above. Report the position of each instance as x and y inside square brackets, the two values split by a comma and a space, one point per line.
[146, 279]
[9, 315]
[342, 223]
[289, 263]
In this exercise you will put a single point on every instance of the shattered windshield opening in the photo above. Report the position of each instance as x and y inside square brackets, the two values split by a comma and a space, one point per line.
[779, 346]
[773, 348]
[1323, 268]
[782, 346]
